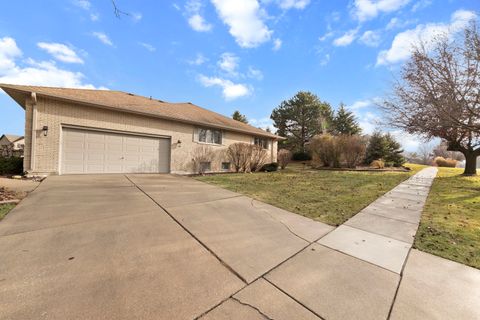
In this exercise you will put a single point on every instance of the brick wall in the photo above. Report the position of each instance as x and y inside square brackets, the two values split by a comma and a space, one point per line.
[54, 114]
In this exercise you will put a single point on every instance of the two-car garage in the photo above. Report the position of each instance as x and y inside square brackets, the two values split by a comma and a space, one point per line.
[91, 151]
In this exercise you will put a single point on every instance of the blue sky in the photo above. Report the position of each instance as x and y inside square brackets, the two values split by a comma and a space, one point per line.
[221, 54]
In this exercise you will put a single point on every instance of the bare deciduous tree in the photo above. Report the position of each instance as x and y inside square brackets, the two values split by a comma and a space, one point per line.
[284, 157]
[201, 156]
[239, 155]
[439, 94]
[258, 155]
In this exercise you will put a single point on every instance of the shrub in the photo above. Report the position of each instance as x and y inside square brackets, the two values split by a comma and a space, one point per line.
[377, 164]
[326, 150]
[384, 146]
[448, 163]
[257, 158]
[239, 156]
[202, 157]
[283, 157]
[352, 149]
[301, 156]
[270, 167]
[11, 165]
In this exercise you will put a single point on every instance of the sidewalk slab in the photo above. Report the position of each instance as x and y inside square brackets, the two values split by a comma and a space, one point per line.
[233, 310]
[393, 202]
[273, 302]
[306, 228]
[403, 214]
[382, 251]
[336, 286]
[245, 237]
[436, 288]
[395, 229]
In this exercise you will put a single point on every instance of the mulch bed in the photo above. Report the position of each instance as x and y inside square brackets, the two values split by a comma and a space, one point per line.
[7, 195]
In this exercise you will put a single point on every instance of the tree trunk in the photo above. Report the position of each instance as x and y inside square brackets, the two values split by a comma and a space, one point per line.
[470, 164]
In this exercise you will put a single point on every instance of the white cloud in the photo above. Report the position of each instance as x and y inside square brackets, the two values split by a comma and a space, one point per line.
[136, 16]
[325, 60]
[396, 23]
[277, 44]
[147, 46]
[195, 19]
[229, 63]
[408, 141]
[254, 73]
[295, 4]
[370, 38]
[103, 38]
[359, 104]
[31, 72]
[8, 53]
[422, 4]
[60, 52]
[403, 42]
[84, 4]
[199, 60]
[346, 39]
[198, 23]
[244, 19]
[262, 123]
[326, 36]
[230, 90]
[94, 16]
[365, 10]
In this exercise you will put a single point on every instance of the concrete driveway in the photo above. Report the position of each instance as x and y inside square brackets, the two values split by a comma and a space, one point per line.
[167, 247]
[144, 247]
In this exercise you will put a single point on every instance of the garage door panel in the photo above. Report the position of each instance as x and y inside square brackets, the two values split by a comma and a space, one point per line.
[86, 151]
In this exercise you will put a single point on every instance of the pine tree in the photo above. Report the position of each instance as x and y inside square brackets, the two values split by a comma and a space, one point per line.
[344, 122]
[377, 147]
[239, 117]
[394, 151]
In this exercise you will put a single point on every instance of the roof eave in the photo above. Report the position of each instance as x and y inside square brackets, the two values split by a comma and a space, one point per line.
[7, 88]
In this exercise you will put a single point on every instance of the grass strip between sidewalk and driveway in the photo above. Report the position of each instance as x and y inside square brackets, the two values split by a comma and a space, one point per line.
[450, 225]
[5, 209]
[328, 196]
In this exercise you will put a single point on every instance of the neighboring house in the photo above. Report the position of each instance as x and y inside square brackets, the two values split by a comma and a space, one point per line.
[11, 145]
[75, 131]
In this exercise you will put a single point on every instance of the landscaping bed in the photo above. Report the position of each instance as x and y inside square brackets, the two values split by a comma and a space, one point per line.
[450, 225]
[331, 197]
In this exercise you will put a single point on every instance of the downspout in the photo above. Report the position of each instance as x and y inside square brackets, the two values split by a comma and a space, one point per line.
[34, 131]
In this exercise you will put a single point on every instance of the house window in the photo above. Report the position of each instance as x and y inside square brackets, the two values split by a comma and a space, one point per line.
[209, 136]
[261, 142]
[226, 166]
[205, 166]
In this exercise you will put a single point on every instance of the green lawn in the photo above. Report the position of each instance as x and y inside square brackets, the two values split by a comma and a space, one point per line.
[450, 225]
[327, 196]
[4, 209]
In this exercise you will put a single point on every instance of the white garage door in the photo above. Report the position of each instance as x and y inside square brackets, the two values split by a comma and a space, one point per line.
[85, 151]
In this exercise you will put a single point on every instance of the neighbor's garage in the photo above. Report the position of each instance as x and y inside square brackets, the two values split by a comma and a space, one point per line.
[89, 151]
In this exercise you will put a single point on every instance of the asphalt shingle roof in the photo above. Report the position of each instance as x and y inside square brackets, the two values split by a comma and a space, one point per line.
[128, 102]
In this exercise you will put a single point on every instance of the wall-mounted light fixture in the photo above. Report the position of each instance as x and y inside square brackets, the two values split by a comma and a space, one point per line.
[45, 130]
[179, 143]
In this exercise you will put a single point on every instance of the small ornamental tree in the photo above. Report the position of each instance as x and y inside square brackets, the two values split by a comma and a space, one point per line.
[284, 157]
[239, 156]
[394, 151]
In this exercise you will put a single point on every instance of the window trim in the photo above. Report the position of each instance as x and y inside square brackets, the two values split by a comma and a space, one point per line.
[197, 136]
[267, 142]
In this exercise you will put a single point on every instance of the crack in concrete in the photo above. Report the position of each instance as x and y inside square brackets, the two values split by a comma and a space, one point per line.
[253, 307]
[279, 221]
[191, 234]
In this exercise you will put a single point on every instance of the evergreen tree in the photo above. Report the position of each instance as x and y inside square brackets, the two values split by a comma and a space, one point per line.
[394, 151]
[344, 122]
[376, 148]
[300, 118]
[239, 117]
